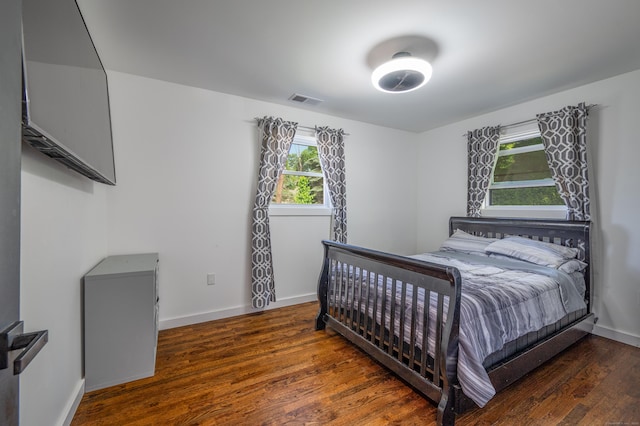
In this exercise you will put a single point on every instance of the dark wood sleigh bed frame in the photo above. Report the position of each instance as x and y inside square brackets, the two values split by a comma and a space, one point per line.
[435, 376]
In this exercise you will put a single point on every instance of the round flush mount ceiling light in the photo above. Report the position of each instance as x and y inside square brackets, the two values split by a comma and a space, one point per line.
[403, 73]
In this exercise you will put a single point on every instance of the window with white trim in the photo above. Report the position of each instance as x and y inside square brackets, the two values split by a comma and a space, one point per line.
[521, 175]
[301, 184]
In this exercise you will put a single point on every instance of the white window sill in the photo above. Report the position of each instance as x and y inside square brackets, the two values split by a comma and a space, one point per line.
[537, 212]
[284, 210]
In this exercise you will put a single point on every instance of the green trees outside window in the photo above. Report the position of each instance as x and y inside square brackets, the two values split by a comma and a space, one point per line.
[302, 181]
[522, 176]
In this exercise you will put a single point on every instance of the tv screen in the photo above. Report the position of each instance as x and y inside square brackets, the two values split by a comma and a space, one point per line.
[66, 101]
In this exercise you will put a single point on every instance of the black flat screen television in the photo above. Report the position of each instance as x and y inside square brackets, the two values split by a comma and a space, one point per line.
[65, 94]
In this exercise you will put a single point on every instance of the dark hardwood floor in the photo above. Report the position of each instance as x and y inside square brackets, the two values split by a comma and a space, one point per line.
[273, 368]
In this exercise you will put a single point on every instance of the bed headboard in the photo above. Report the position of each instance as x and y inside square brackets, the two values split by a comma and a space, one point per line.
[564, 232]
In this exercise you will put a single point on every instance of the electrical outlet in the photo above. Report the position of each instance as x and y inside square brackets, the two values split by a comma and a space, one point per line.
[211, 279]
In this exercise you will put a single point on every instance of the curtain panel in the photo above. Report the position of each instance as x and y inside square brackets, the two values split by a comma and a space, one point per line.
[563, 134]
[331, 152]
[276, 137]
[482, 149]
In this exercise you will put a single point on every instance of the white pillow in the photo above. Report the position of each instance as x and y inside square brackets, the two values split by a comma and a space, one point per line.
[463, 242]
[538, 252]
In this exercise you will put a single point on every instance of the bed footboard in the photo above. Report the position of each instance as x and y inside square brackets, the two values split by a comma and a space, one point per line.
[359, 290]
[374, 299]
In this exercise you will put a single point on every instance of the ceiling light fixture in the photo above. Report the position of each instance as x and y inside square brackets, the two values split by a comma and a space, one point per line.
[403, 73]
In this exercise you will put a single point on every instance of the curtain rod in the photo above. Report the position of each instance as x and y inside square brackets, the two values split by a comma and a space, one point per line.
[531, 120]
[311, 129]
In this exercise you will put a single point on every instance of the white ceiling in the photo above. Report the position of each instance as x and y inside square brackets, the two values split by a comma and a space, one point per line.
[491, 53]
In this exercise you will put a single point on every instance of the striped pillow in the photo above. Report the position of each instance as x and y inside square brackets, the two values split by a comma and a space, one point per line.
[573, 265]
[538, 252]
[462, 242]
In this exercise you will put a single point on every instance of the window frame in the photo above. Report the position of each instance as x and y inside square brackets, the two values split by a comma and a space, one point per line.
[525, 211]
[285, 209]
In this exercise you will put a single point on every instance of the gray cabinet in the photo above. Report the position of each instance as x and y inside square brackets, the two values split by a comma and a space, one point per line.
[120, 320]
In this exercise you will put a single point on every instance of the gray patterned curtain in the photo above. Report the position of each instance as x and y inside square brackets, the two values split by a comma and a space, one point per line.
[563, 134]
[482, 149]
[277, 136]
[331, 152]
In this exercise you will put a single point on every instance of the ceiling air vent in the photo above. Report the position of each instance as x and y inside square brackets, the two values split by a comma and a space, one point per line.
[308, 100]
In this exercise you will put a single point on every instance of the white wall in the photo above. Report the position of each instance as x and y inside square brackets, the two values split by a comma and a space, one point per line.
[615, 152]
[186, 163]
[63, 229]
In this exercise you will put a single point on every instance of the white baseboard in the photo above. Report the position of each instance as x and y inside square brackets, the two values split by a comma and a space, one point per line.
[232, 312]
[73, 405]
[618, 336]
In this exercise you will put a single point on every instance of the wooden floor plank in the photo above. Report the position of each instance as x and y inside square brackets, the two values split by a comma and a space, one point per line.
[273, 368]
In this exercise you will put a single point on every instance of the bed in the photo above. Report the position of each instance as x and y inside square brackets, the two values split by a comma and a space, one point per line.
[498, 299]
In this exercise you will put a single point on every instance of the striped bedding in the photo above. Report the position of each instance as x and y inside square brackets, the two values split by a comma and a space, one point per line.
[501, 301]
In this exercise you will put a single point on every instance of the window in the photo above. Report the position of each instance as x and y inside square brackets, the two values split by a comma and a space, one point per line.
[301, 183]
[521, 175]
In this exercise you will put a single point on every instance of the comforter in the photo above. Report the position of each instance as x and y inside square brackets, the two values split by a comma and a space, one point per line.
[501, 301]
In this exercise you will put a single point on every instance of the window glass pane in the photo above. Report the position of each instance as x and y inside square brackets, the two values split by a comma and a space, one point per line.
[292, 189]
[534, 196]
[303, 158]
[521, 143]
[525, 166]
[520, 167]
